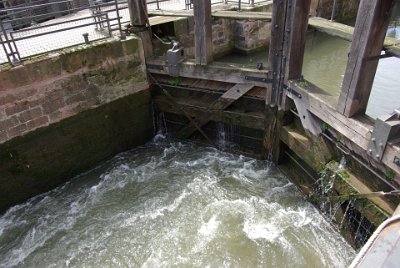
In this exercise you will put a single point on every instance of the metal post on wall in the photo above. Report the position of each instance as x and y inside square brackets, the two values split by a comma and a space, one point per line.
[9, 46]
[333, 10]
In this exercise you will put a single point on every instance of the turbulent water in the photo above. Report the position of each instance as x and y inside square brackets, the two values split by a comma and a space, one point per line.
[170, 204]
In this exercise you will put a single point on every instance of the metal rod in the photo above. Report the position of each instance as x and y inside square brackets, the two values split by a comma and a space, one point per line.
[60, 30]
[118, 16]
[349, 153]
[55, 24]
[333, 10]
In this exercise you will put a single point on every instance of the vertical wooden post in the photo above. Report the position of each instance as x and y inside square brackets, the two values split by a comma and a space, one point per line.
[276, 49]
[288, 37]
[140, 23]
[369, 33]
[297, 42]
[203, 31]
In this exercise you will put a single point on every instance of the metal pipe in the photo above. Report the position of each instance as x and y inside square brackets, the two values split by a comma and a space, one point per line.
[349, 153]
[59, 30]
[333, 10]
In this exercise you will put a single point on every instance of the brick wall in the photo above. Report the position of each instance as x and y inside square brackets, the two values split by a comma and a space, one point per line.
[52, 88]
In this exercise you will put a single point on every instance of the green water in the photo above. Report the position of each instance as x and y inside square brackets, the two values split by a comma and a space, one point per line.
[169, 204]
[325, 62]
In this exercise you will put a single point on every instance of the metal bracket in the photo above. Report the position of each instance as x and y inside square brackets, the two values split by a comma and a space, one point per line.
[396, 160]
[258, 79]
[386, 128]
[292, 91]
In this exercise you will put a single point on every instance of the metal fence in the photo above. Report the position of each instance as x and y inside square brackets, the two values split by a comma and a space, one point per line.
[33, 27]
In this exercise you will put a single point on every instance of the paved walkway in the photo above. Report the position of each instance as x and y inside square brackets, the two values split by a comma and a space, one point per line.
[36, 45]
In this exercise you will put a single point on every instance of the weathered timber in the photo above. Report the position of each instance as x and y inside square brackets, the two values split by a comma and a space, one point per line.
[251, 120]
[297, 42]
[157, 20]
[203, 32]
[294, 45]
[357, 130]
[276, 49]
[140, 23]
[391, 45]
[370, 30]
[221, 104]
[214, 71]
[240, 15]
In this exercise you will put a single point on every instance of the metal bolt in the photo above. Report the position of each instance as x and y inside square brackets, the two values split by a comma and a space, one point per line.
[370, 151]
[381, 145]
[373, 139]
[377, 156]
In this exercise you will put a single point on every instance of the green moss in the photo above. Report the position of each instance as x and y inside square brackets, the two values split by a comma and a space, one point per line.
[47, 157]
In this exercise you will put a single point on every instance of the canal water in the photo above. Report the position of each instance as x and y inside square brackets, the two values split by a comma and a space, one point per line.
[172, 204]
[325, 62]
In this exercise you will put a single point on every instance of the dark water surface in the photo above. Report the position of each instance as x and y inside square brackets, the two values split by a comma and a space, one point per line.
[169, 204]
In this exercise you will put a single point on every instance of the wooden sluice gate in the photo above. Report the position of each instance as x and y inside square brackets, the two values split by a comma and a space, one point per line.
[280, 116]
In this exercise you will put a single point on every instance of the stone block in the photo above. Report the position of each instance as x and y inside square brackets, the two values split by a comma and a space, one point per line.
[52, 106]
[8, 123]
[38, 122]
[17, 108]
[30, 114]
[17, 131]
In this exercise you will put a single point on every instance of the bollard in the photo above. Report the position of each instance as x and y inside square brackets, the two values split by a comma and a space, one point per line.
[86, 37]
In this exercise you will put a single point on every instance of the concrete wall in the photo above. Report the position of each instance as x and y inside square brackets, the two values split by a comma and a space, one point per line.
[63, 114]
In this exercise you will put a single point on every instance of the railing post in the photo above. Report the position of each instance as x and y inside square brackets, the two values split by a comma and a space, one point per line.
[9, 46]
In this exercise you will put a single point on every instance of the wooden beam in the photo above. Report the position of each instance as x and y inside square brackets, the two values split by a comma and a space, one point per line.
[203, 32]
[140, 23]
[276, 49]
[297, 43]
[356, 130]
[222, 103]
[369, 34]
[214, 71]
[222, 14]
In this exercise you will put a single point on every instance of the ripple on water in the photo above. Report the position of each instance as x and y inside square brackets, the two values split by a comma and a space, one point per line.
[172, 204]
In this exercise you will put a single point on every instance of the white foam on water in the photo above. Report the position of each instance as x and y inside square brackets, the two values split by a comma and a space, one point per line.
[171, 204]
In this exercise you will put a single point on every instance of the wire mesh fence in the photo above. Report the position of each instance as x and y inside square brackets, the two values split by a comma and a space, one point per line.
[33, 28]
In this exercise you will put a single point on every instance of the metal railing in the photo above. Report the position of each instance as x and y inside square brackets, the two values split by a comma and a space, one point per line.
[28, 30]
[32, 27]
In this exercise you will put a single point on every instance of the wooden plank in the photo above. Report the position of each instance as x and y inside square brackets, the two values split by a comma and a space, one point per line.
[203, 32]
[222, 103]
[223, 14]
[242, 15]
[171, 13]
[369, 34]
[214, 71]
[356, 130]
[248, 120]
[157, 20]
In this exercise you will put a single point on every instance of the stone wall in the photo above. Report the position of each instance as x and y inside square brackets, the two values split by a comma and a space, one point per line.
[45, 91]
[63, 114]
[345, 9]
